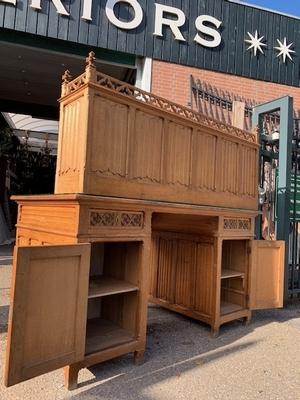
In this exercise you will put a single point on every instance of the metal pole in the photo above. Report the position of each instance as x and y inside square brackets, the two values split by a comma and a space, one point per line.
[284, 182]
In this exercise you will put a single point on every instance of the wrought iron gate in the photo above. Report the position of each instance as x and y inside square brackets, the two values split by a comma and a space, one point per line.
[294, 239]
[279, 168]
[279, 183]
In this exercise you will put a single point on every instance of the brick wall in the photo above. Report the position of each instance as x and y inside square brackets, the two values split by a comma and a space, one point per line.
[172, 81]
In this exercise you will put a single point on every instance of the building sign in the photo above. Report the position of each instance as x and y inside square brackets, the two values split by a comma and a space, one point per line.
[165, 16]
[212, 34]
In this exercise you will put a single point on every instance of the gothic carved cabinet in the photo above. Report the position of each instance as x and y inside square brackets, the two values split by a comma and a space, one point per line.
[150, 197]
[215, 272]
[79, 273]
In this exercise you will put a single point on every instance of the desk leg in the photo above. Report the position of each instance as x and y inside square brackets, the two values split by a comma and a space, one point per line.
[247, 320]
[139, 357]
[71, 377]
[215, 330]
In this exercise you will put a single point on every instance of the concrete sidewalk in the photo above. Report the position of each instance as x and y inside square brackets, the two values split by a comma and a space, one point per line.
[260, 361]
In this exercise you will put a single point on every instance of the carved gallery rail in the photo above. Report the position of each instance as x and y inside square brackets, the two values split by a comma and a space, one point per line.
[150, 197]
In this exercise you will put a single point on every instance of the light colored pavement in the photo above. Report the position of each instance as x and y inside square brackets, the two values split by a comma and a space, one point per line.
[260, 361]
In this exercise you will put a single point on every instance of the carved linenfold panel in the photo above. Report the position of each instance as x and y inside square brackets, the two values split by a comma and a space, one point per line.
[145, 165]
[177, 153]
[71, 144]
[109, 138]
[242, 224]
[185, 275]
[165, 269]
[247, 162]
[204, 278]
[227, 167]
[203, 161]
[116, 219]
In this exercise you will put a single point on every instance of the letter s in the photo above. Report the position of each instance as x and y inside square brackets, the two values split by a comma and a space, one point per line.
[208, 31]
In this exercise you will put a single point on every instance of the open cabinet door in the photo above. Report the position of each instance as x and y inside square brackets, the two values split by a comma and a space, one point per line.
[266, 274]
[47, 318]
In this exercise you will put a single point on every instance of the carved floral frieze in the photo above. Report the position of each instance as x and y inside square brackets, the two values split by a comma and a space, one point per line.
[116, 219]
[242, 224]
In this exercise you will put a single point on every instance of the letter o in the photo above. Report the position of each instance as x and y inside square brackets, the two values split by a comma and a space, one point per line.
[138, 18]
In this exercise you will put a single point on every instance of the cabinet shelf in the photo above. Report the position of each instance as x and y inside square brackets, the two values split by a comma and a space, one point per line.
[102, 334]
[106, 286]
[228, 273]
[229, 308]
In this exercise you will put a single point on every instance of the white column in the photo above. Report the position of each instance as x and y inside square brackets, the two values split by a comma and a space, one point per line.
[144, 73]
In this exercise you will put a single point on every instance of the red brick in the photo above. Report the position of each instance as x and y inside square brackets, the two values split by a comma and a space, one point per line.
[172, 81]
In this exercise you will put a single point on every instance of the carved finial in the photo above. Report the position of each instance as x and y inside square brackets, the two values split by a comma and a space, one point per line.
[90, 60]
[66, 79]
[90, 69]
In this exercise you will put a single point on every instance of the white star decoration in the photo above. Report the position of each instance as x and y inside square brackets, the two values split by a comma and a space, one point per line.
[284, 50]
[255, 43]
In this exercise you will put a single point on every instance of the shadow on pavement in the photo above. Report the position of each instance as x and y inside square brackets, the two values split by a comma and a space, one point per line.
[6, 252]
[5, 261]
[175, 345]
[4, 310]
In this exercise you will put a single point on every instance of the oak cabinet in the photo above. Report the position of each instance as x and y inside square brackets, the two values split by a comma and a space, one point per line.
[87, 295]
[251, 277]
[216, 280]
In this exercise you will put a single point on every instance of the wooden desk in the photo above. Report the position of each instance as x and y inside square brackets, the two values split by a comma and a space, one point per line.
[174, 197]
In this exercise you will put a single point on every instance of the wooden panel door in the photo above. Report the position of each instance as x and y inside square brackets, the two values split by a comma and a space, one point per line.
[266, 274]
[48, 311]
[185, 272]
[166, 269]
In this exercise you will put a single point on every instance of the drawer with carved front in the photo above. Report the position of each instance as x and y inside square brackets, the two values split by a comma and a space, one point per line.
[234, 225]
[112, 219]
